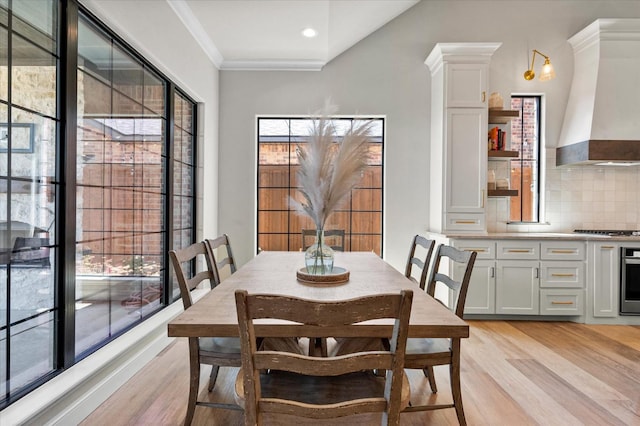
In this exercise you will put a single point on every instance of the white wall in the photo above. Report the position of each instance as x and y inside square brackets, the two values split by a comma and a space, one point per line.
[385, 74]
[158, 35]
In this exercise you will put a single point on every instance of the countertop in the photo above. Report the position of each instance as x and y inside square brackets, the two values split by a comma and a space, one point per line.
[568, 236]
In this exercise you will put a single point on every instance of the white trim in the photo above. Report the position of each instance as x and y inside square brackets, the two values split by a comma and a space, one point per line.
[193, 25]
[270, 65]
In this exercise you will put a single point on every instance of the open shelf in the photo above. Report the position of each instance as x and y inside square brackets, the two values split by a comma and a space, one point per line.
[502, 192]
[503, 154]
[502, 116]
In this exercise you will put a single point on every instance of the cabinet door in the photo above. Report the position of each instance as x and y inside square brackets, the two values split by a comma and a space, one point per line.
[517, 287]
[604, 279]
[466, 85]
[466, 158]
[481, 295]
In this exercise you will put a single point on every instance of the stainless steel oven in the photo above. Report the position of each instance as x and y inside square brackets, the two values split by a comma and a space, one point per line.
[630, 281]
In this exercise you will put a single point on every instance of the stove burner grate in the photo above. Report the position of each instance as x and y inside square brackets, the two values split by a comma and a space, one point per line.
[611, 232]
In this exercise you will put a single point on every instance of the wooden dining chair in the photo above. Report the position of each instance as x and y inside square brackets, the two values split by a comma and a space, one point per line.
[423, 353]
[334, 238]
[319, 387]
[419, 258]
[214, 351]
[417, 265]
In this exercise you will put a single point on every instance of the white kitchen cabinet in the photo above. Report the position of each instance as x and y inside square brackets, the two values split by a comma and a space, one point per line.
[604, 278]
[459, 113]
[517, 287]
[561, 302]
[466, 160]
[526, 277]
[481, 295]
[518, 250]
[466, 85]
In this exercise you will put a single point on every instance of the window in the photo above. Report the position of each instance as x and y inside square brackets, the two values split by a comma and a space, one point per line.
[279, 226]
[119, 163]
[525, 170]
[29, 118]
[120, 188]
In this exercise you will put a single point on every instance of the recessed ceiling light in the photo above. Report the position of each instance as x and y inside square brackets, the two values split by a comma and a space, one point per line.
[309, 32]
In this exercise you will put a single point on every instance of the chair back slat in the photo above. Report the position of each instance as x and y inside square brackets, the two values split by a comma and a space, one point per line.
[323, 366]
[327, 314]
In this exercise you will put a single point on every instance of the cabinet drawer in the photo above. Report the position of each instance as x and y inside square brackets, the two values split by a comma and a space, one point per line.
[561, 302]
[562, 250]
[485, 249]
[562, 274]
[464, 222]
[517, 249]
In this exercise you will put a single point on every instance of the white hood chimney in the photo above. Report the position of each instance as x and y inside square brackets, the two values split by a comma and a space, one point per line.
[602, 120]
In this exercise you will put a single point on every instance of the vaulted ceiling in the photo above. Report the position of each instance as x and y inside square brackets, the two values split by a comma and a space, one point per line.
[267, 34]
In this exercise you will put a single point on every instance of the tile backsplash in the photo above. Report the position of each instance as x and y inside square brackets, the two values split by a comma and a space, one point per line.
[578, 197]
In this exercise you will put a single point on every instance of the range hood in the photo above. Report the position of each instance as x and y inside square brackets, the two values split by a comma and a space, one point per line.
[602, 120]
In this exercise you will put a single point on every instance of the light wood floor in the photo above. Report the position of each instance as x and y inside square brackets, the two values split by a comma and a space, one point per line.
[513, 373]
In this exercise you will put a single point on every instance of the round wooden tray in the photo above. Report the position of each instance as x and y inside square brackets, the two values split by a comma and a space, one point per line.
[337, 276]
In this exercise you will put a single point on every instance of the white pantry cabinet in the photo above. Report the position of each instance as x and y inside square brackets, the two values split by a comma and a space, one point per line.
[459, 113]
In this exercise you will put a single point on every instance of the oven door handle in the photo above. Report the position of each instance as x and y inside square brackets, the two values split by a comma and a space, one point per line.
[632, 261]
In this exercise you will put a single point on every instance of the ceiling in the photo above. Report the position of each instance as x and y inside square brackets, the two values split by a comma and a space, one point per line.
[267, 34]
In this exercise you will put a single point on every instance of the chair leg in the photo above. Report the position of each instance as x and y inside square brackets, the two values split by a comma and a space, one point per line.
[428, 373]
[454, 373]
[194, 382]
[213, 377]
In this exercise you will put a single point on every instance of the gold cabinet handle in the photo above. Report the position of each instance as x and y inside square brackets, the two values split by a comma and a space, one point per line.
[563, 275]
[563, 251]
[608, 247]
[465, 221]
[479, 250]
[484, 96]
[561, 303]
[519, 251]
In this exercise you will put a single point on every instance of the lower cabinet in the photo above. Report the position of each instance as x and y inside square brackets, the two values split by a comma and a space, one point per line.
[517, 287]
[526, 277]
[481, 296]
[604, 273]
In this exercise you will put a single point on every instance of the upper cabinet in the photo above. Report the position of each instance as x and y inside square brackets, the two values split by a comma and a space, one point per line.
[459, 116]
[466, 86]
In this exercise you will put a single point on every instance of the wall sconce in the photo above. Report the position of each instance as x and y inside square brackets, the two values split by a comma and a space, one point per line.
[547, 69]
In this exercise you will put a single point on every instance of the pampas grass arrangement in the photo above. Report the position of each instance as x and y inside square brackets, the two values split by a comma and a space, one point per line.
[329, 170]
[330, 167]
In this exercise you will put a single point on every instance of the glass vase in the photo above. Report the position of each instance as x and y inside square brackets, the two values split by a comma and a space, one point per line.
[318, 258]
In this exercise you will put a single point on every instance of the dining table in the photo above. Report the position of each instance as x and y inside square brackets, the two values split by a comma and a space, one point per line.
[275, 272]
